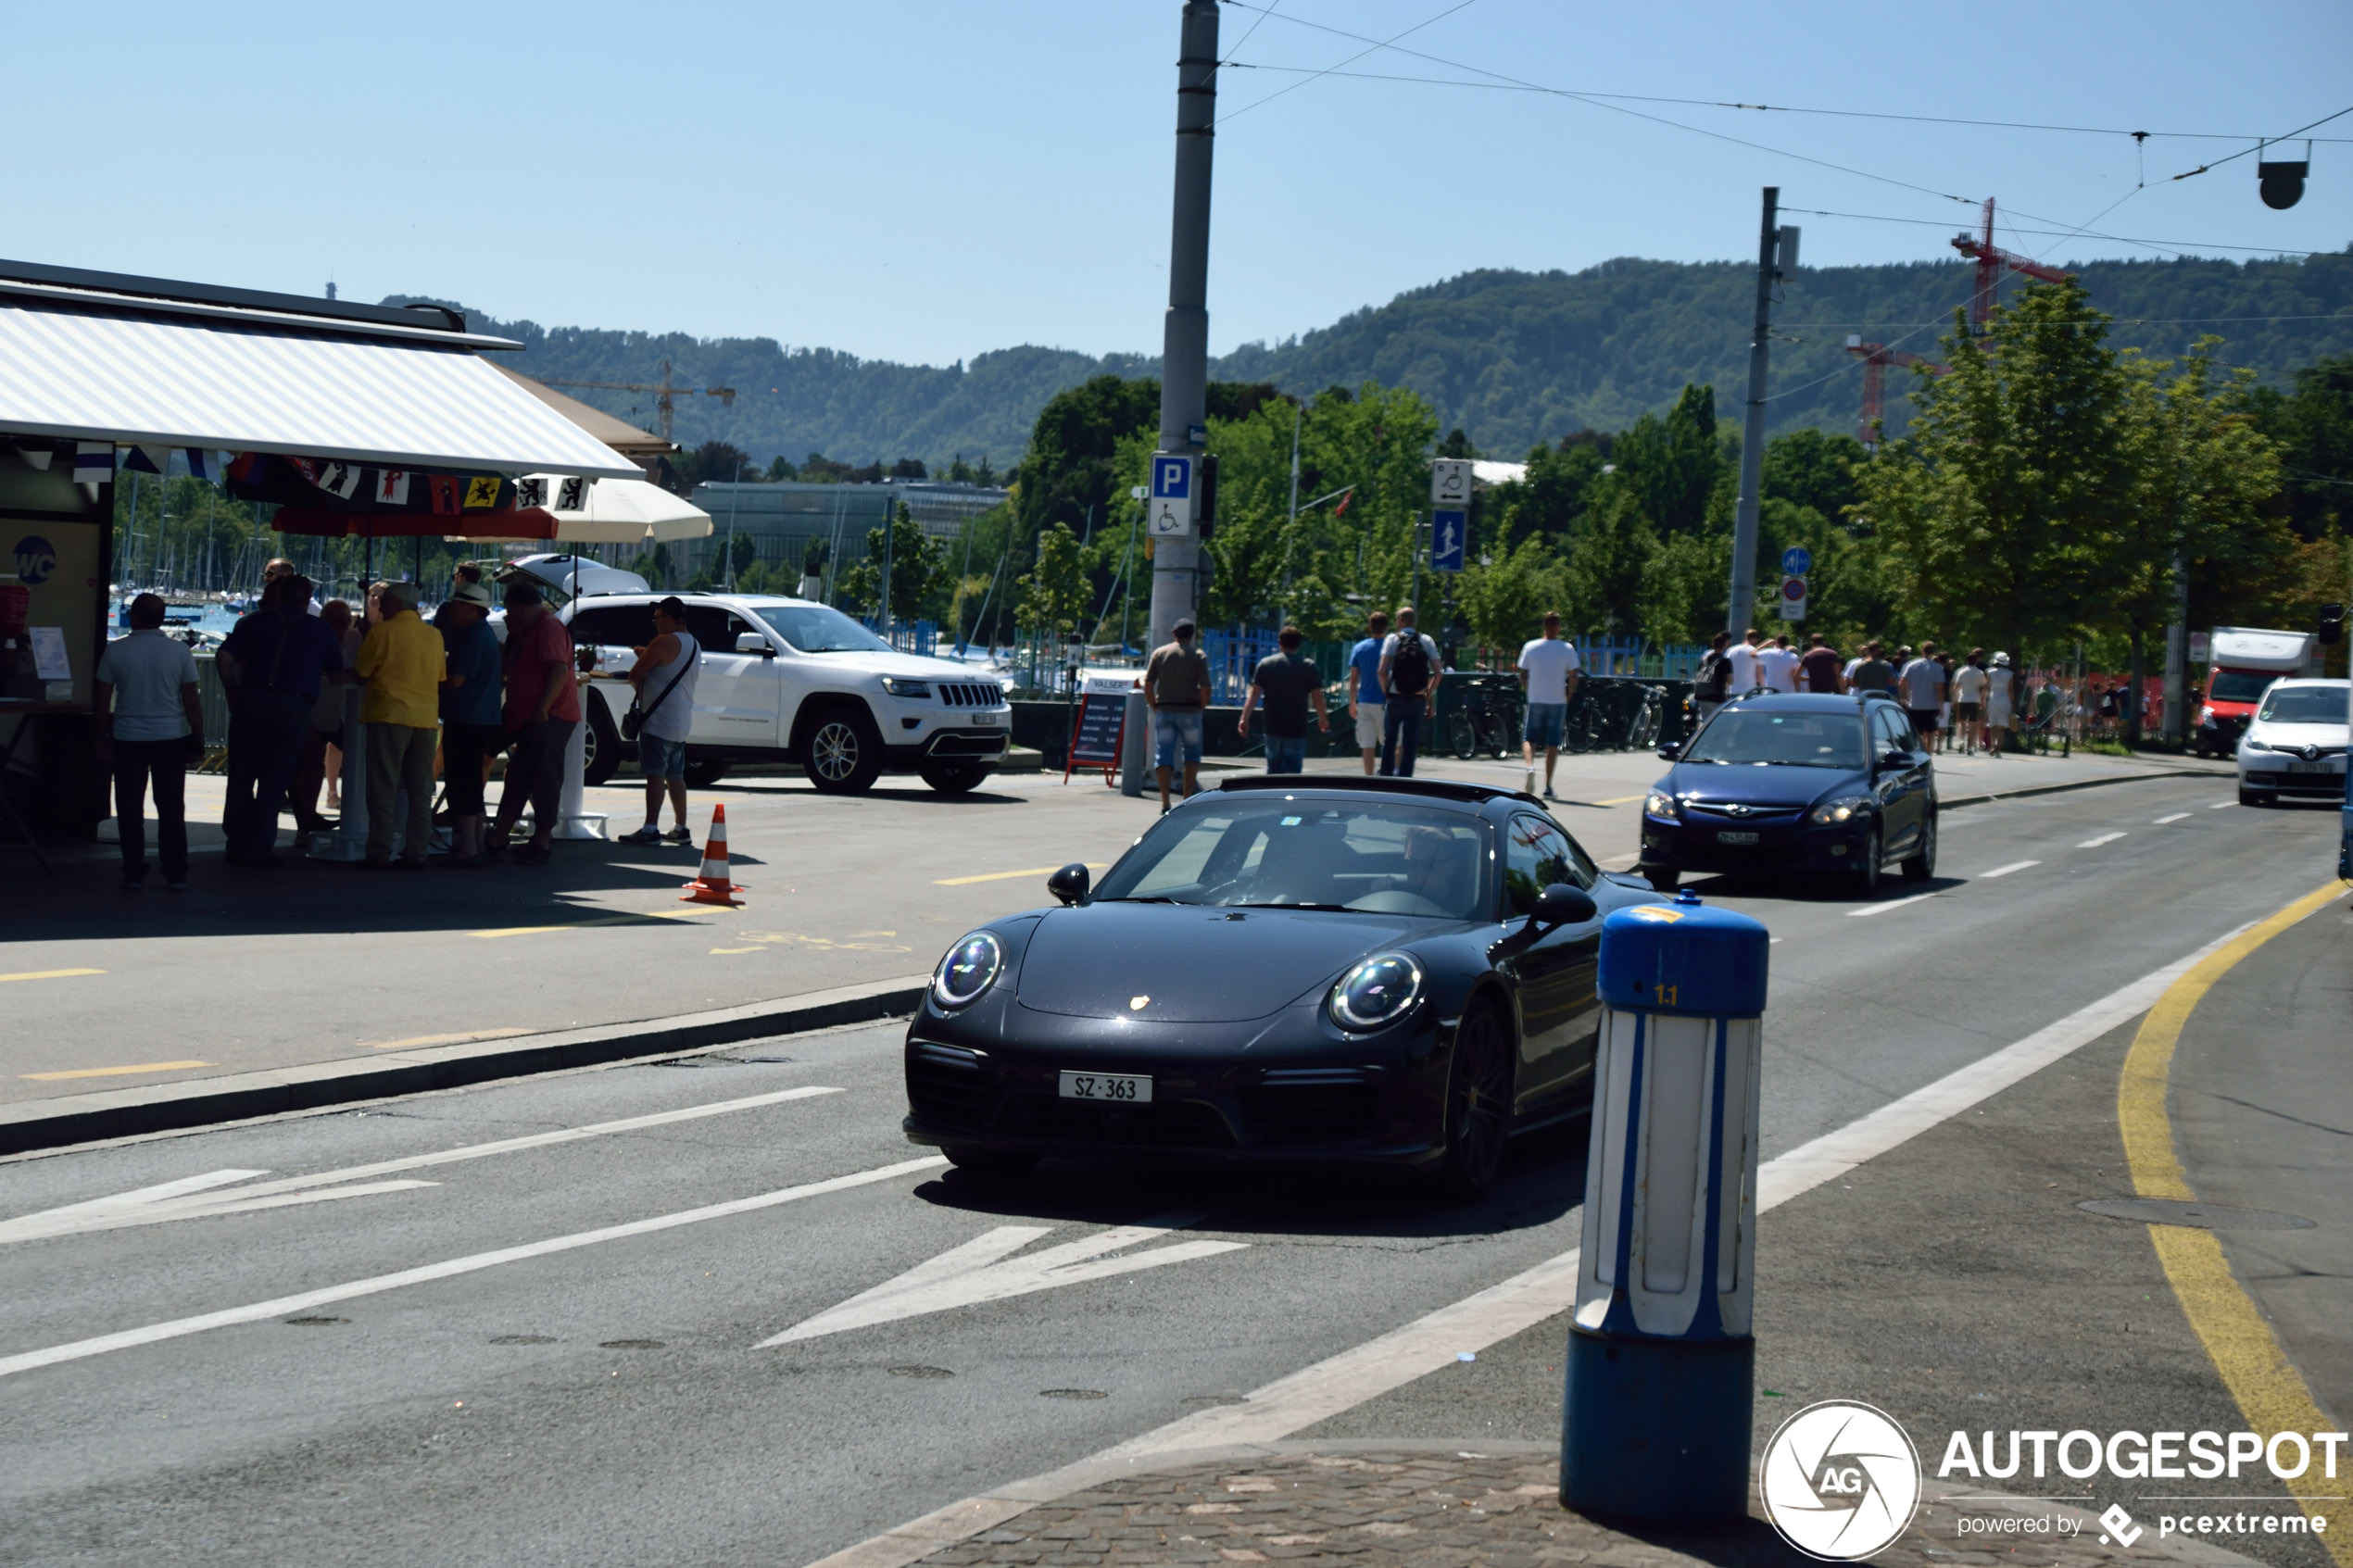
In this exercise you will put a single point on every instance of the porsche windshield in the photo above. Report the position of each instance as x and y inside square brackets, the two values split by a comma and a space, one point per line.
[1760, 735]
[1377, 857]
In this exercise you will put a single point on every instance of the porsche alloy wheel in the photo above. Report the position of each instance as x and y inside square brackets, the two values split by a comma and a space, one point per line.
[1479, 1105]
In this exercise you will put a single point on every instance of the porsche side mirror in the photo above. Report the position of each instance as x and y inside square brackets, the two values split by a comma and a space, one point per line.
[1670, 750]
[1562, 905]
[1070, 884]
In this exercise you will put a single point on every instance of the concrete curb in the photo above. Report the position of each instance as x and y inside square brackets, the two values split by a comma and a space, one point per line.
[53, 1123]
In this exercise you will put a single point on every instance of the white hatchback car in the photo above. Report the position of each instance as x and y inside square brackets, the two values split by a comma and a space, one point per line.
[2295, 745]
[789, 681]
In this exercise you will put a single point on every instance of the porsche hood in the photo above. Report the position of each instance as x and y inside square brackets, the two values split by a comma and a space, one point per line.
[1188, 963]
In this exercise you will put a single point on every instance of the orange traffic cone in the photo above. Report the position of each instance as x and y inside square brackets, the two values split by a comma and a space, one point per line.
[713, 886]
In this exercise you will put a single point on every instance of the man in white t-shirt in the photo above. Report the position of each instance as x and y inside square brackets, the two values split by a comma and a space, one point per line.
[1410, 671]
[1741, 656]
[1919, 686]
[150, 720]
[1969, 698]
[1777, 666]
[1548, 673]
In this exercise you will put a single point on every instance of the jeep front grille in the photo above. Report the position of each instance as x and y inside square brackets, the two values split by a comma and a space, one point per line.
[972, 694]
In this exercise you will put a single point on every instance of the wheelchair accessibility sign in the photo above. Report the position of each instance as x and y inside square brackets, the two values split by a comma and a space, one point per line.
[1169, 509]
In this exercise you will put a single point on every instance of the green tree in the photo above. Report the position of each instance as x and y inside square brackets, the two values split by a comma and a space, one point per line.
[2008, 515]
[1053, 597]
[741, 555]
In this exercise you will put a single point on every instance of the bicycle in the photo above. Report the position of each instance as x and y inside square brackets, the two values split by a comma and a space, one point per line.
[1482, 721]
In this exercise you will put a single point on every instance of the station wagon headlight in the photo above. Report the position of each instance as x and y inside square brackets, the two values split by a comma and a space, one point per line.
[1377, 993]
[1845, 809]
[1661, 804]
[899, 685]
[970, 968]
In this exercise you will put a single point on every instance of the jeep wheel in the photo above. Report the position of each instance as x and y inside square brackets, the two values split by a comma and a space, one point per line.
[953, 778]
[603, 746]
[842, 754]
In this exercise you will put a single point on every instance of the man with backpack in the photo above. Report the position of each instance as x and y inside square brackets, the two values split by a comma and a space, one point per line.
[1409, 677]
[1712, 684]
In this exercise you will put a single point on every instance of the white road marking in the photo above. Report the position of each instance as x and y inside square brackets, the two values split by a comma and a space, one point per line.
[260, 1311]
[1869, 910]
[2095, 843]
[2221, 806]
[969, 1274]
[1291, 1404]
[2174, 818]
[169, 1201]
[2005, 870]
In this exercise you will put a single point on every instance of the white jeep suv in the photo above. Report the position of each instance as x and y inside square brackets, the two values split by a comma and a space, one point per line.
[787, 680]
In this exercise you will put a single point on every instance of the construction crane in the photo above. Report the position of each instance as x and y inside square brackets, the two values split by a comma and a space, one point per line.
[1992, 262]
[1877, 358]
[665, 402]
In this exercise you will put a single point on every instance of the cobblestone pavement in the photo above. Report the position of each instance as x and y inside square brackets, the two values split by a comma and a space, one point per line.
[1410, 1509]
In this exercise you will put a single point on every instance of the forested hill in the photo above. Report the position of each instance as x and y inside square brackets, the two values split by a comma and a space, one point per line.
[1512, 358]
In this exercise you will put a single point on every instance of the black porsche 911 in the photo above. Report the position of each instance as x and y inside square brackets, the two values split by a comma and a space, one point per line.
[1381, 970]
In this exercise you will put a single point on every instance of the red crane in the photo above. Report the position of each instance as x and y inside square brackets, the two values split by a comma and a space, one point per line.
[1877, 358]
[1992, 262]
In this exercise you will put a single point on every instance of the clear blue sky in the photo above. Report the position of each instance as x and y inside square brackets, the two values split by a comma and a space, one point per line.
[925, 180]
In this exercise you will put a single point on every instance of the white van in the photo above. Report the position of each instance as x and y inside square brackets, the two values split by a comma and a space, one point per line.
[2294, 744]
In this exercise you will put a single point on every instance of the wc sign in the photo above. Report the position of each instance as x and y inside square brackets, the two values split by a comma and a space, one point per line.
[1168, 508]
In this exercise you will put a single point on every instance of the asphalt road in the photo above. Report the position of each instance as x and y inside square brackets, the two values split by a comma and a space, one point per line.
[253, 970]
[541, 1393]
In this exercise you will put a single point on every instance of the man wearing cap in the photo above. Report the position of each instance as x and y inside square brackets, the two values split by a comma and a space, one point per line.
[403, 663]
[471, 732]
[542, 706]
[1176, 690]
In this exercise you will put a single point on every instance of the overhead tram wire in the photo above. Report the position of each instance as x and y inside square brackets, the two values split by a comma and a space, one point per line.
[1509, 86]
[2296, 134]
[2177, 246]
[1248, 30]
[1371, 46]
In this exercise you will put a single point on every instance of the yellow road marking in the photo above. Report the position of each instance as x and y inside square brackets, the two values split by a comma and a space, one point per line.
[1001, 876]
[112, 1072]
[736, 950]
[1619, 801]
[443, 1039]
[584, 924]
[49, 974]
[2266, 1385]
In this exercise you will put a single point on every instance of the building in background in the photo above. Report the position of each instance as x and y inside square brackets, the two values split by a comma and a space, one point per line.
[781, 520]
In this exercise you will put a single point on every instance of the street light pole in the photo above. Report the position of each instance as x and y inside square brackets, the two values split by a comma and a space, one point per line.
[1743, 604]
[1184, 364]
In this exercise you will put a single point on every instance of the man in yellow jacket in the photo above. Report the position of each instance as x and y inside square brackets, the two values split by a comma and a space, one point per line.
[403, 661]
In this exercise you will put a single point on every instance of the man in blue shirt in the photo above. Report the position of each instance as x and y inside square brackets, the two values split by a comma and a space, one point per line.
[271, 665]
[472, 727]
[1363, 688]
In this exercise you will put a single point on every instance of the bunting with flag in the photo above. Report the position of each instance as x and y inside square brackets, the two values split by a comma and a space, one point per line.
[93, 462]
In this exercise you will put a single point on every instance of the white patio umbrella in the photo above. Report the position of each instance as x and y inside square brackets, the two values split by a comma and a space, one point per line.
[619, 512]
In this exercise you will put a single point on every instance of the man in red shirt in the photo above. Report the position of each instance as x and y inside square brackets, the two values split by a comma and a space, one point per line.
[1821, 666]
[543, 707]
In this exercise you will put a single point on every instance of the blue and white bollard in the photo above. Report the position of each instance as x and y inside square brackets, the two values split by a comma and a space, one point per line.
[1661, 1366]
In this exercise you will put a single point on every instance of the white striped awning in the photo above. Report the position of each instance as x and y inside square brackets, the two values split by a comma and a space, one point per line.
[166, 380]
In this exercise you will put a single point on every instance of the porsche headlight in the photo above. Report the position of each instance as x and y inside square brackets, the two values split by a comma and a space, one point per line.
[1845, 809]
[1661, 804]
[1377, 993]
[970, 968]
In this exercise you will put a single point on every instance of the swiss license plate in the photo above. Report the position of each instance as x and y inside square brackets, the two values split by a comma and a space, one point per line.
[2327, 767]
[1114, 1088]
[1735, 838]
[992, 719]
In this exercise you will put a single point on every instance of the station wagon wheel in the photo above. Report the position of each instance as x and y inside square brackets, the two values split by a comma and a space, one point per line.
[1921, 865]
[1479, 1105]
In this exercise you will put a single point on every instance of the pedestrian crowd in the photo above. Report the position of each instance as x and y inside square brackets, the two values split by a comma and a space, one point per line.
[439, 701]
[1969, 702]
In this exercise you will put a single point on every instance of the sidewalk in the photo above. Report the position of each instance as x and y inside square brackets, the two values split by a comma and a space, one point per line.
[1419, 1506]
